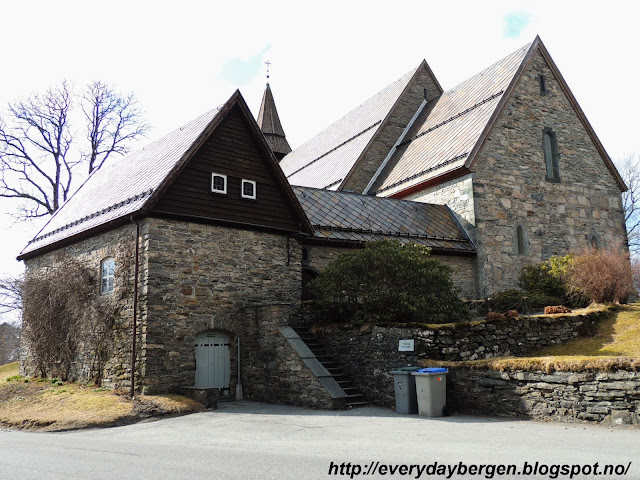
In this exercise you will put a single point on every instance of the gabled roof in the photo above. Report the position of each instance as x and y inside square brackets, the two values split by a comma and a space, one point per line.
[269, 123]
[351, 217]
[446, 137]
[326, 159]
[447, 130]
[132, 185]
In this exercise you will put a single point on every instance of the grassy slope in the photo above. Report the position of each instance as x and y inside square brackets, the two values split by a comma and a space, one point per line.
[29, 403]
[615, 345]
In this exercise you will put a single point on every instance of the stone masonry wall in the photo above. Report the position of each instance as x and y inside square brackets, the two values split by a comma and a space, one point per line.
[370, 353]
[457, 194]
[510, 189]
[119, 244]
[390, 131]
[595, 396]
[213, 278]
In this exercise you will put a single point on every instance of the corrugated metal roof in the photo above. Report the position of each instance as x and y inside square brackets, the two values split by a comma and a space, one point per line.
[445, 133]
[122, 186]
[354, 217]
[329, 156]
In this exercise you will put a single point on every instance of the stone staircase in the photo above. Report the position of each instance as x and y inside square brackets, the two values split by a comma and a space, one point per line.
[353, 396]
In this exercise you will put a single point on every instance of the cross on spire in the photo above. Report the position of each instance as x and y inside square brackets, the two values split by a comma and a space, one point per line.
[268, 64]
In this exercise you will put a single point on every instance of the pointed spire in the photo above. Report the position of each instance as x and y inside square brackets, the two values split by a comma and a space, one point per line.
[269, 123]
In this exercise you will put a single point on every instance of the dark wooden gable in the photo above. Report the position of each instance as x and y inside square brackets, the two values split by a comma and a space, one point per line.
[232, 150]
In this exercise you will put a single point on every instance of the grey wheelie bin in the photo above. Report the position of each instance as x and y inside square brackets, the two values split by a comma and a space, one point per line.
[431, 390]
[404, 386]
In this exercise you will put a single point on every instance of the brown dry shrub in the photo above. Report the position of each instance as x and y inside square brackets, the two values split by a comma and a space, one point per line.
[553, 309]
[512, 314]
[603, 275]
[495, 316]
[62, 312]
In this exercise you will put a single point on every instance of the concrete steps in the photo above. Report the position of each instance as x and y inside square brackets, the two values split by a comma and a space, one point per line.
[353, 396]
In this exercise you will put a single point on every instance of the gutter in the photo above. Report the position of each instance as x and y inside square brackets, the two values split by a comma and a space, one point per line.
[135, 308]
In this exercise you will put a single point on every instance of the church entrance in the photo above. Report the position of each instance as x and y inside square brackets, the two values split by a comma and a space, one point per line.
[212, 360]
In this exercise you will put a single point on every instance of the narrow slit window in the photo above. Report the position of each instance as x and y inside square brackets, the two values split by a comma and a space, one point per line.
[218, 183]
[550, 155]
[249, 189]
[543, 85]
[520, 240]
[107, 275]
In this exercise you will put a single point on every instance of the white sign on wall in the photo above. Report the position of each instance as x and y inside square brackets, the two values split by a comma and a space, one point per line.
[406, 345]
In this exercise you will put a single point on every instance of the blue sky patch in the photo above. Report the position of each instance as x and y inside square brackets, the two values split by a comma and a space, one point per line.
[515, 23]
[241, 71]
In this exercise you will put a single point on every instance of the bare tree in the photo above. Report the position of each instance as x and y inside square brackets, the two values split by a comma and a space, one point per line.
[112, 122]
[37, 162]
[10, 294]
[630, 171]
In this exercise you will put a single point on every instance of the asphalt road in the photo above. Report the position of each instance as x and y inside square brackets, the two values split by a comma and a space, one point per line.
[257, 441]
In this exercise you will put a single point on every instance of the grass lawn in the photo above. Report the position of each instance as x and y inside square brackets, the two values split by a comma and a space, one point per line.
[617, 336]
[46, 405]
[615, 345]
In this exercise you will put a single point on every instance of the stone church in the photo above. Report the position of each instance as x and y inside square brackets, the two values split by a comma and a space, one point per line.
[224, 224]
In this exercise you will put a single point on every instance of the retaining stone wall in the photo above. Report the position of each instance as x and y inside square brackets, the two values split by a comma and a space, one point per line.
[596, 396]
[370, 353]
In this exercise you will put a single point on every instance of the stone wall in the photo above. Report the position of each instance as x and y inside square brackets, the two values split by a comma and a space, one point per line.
[198, 277]
[510, 188]
[457, 194]
[595, 396]
[243, 283]
[371, 352]
[120, 245]
[391, 129]
[463, 275]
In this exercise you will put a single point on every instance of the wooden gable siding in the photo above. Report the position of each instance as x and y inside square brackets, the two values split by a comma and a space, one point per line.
[233, 151]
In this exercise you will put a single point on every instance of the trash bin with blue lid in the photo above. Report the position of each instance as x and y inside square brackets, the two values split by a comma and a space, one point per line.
[404, 386]
[431, 391]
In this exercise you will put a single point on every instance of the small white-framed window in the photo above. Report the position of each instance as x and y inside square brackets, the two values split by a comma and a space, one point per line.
[218, 183]
[107, 275]
[248, 189]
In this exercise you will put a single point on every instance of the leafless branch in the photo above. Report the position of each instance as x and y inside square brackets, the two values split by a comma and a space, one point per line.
[630, 171]
[112, 122]
[37, 163]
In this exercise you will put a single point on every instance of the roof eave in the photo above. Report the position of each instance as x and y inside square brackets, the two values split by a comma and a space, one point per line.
[444, 177]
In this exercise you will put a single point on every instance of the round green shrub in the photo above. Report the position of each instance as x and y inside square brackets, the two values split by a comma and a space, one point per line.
[387, 281]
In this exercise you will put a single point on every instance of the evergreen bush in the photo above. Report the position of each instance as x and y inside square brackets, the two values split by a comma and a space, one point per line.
[387, 281]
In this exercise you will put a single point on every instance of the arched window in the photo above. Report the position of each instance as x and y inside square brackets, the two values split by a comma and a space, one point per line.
[520, 240]
[107, 275]
[550, 148]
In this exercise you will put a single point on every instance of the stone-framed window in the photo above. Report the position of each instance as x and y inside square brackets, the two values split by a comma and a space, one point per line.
[306, 256]
[107, 275]
[248, 189]
[520, 240]
[218, 183]
[543, 84]
[594, 242]
[550, 149]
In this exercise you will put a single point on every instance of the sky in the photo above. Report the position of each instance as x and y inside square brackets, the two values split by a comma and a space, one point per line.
[184, 58]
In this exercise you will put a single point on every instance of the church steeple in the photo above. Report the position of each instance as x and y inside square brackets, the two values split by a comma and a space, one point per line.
[269, 123]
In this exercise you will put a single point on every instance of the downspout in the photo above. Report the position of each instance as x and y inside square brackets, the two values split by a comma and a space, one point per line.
[135, 309]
